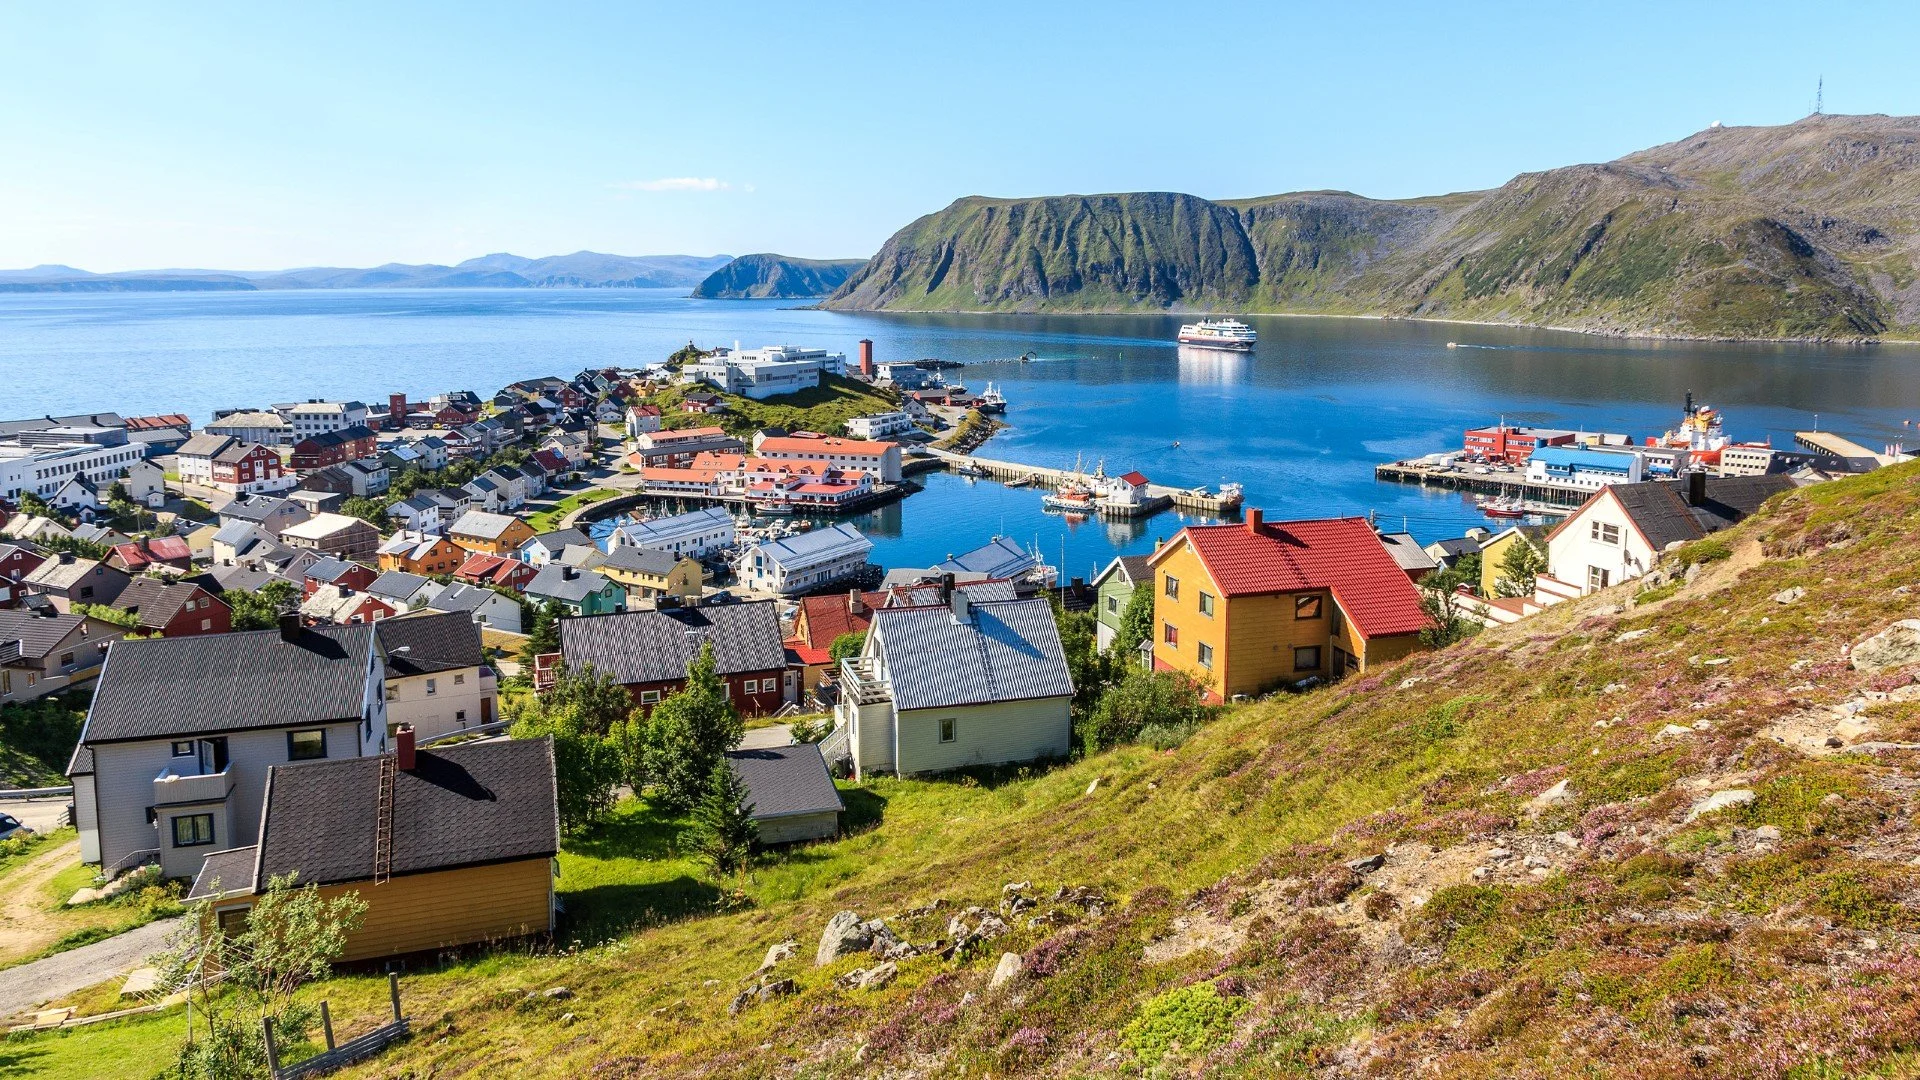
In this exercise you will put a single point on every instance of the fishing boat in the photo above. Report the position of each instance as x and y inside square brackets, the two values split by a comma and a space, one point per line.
[1503, 507]
[992, 400]
[773, 508]
[1073, 499]
[1229, 334]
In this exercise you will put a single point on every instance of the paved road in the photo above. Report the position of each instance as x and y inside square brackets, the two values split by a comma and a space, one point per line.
[40, 815]
[29, 985]
[760, 738]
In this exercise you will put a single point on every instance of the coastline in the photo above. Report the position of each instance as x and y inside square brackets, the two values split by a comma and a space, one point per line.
[1620, 335]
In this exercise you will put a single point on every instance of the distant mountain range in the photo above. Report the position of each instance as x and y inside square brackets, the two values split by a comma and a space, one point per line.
[582, 269]
[1805, 230]
[777, 276]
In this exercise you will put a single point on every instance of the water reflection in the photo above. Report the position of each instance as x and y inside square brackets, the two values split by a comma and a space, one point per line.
[1198, 365]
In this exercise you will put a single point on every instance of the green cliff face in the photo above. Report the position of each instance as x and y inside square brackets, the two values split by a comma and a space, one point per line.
[1806, 230]
[751, 277]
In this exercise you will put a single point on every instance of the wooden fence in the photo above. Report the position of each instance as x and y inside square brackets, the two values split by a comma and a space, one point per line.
[343, 1054]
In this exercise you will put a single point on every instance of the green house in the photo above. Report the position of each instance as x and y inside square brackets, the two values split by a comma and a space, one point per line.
[576, 590]
[1113, 588]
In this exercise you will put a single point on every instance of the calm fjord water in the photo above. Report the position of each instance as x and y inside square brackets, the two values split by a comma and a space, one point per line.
[1301, 422]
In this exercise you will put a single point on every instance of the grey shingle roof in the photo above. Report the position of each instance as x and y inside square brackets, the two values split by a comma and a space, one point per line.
[1659, 508]
[154, 600]
[205, 445]
[654, 646]
[482, 524]
[786, 780]
[60, 572]
[1005, 651]
[424, 644]
[161, 687]
[396, 585]
[554, 583]
[37, 635]
[462, 597]
[224, 872]
[640, 560]
[558, 540]
[467, 805]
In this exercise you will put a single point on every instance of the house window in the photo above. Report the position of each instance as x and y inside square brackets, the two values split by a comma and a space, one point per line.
[1170, 633]
[1173, 587]
[66, 659]
[183, 748]
[1206, 604]
[393, 691]
[233, 921]
[306, 745]
[649, 697]
[206, 625]
[1306, 658]
[86, 592]
[1206, 655]
[460, 679]
[948, 729]
[1596, 577]
[433, 687]
[1306, 607]
[1605, 533]
[193, 830]
[1113, 605]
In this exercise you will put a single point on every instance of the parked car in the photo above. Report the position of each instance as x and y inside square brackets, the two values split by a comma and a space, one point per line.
[10, 827]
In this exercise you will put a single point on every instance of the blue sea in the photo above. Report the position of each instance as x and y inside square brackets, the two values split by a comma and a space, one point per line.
[1301, 422]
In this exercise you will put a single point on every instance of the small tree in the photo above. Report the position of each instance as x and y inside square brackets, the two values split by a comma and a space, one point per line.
[1092, 670]
[261, 608]
[689, 733]
[588, 716]
[723, 832]
[1441, 604]
[1143, 699]
[292, 937]
[1520, 567]
[544, 636]
[371, 511]
[1136, 625]
[847, 646]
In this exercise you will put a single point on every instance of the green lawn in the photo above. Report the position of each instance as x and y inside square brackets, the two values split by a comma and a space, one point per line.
[549, 520]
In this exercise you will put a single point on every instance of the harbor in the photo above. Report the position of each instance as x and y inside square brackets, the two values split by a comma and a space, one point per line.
[1147, 499]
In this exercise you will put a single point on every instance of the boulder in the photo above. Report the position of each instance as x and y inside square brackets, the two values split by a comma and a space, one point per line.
[1553, 796]
[1767, 832]
[1673, 731]
[1789, 596]
[556, 993]
[1721, 800]
[1634, 635]
[1896, 646]
[1367, 865]
[990, 927]
[1006, 971]
[845, 935]
[777, 953]
[777, 988]
[878, 976]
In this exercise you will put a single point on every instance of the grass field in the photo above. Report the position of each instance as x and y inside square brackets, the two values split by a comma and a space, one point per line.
[549, 520]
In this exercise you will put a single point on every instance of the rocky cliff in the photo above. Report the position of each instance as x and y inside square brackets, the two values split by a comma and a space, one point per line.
[1807, 230]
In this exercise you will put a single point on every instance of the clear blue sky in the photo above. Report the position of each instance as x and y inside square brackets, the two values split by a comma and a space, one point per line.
[255, 136]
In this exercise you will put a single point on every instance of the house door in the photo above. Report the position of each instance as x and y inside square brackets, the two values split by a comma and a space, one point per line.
[486, 710]
[213, 755]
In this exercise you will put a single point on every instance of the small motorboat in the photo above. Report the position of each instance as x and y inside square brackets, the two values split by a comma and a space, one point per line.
[1503, 507]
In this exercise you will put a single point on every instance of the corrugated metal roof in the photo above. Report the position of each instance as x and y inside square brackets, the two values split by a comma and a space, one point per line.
[815, 546]
[1004, 651]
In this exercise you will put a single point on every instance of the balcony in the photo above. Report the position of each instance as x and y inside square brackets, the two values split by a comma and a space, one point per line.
[861, 683]
[184, 783]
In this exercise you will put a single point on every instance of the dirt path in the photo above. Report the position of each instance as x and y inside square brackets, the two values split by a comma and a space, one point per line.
[24, 926]
[24, 987]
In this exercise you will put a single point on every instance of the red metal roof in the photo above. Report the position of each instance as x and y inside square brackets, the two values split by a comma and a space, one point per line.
[1136, 478]
[1342, 555]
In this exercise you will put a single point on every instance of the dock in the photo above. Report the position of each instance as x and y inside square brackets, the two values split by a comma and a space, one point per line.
[1538, 497]
[1159, 496]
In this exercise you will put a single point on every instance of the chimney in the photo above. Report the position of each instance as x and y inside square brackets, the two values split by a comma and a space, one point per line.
[962, 609]
[1696, 488]
[946, 588]
[866, 359]
[290, 626]
[854, 603]
[1253, 520]
[403, 747]
[568, 573]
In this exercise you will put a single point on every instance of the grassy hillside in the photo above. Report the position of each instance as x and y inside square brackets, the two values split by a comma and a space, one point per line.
[1807, 230]
[825, 408]
[1550, 897]
[776, 276]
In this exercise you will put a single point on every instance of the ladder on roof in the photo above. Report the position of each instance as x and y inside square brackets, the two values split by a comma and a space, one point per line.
[383, 822]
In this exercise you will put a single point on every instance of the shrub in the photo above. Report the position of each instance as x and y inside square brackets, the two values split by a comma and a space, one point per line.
[1144, 699]
[1193, 1019]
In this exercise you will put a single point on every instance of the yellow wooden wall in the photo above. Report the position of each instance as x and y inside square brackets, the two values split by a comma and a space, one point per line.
[438, 910]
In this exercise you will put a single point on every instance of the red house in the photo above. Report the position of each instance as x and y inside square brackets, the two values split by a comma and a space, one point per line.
[245, 464]
[142, 555]
[451, 417]
[648, 652]
[1513, 445]
[498, 571]
[339, 572]
[175, 609]
[335, 447]
[16, 562]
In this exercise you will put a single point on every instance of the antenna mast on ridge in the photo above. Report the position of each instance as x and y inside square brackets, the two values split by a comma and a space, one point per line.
[1819, 94]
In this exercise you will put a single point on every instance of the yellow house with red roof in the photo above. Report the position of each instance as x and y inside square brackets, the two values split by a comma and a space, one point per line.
[1248, 608]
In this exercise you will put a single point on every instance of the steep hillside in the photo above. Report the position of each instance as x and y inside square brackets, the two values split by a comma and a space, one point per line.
[776, 276]
[1497, 860]
[1807, 230]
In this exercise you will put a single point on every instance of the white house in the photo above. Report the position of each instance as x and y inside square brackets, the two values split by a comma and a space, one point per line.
[484, 606]
[699, 533]
[316, 417]
[1617, 534]
[880, 425]
[960, 684]
[806, 561]
[767, 372]
[146, 483]
[437, 674]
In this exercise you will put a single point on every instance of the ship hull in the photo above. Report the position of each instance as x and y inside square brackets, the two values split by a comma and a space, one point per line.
[1224, 345]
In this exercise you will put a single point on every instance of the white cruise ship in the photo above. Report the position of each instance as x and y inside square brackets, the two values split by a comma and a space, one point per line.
[1219, 334]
